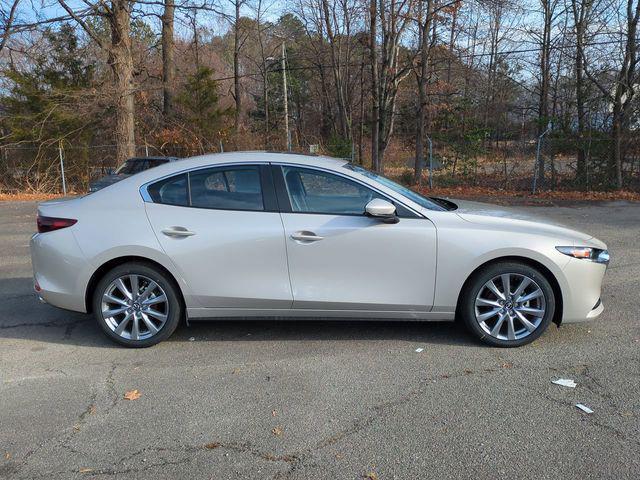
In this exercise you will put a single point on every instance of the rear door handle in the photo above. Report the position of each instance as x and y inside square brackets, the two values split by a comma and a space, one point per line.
[177, 232]
[306, 236]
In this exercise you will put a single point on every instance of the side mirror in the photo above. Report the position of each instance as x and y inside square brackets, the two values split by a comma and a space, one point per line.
[382, 210]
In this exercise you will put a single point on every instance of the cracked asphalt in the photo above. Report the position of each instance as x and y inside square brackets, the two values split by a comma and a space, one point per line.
[319, 399]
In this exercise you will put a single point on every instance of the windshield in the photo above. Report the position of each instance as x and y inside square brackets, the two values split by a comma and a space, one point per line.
[130, 167]
[429, 203]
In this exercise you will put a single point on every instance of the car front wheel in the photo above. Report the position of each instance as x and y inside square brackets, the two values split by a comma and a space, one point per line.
[137, 305]
[507, 304]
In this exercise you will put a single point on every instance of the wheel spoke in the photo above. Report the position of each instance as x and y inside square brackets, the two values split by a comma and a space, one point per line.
[135, 288]
[148, 291]
[531, 296]
[527, 324]
[114, 312]
[496, 328]
[121, 286]
[531, 311]
[147, 321]
[511, 332]
[492, 286]
[484, 302]
[483, 317]
[506, 284]
[135, 329]
[112, 299]
[526, 281]
[152, 301]
[123, 324]
[160, 316]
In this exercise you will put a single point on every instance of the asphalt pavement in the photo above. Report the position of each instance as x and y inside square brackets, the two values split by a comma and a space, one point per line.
[318, 399]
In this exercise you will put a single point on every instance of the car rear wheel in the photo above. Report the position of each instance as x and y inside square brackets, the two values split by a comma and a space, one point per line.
[137, 305]
[507, 304]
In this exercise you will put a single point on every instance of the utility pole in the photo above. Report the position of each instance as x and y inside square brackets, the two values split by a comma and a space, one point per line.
[286, 101]
[61, 154]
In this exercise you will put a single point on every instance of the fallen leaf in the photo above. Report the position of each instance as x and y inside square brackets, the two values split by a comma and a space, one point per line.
[235, 371]
[92, 409]
[507, 365]
[467, 371]
[274, 413]
[132, 395]
[371, 476]
[85, 470]
[212, 445]
[7, 456]
[277, 431]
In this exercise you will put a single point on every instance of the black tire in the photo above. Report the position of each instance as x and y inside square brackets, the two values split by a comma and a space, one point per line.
[174, 304]
[467, 308]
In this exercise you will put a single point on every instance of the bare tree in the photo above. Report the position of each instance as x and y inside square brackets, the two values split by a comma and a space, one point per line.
[168, 58]
[375, 100]
[548, 17]
[120, 58]
[581, 10]
[425, 17]
[8, 17]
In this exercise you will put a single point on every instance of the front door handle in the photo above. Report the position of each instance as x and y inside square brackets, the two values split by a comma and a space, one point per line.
[177, 232]
[306, 236]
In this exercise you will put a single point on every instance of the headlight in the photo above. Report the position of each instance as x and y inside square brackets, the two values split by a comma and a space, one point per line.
[587, 253]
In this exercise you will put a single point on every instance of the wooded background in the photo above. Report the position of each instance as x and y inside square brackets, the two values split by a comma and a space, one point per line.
[504, 93]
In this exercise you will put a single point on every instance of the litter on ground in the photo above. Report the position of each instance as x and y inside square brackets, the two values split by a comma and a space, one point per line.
[584, 408]
[565, 382]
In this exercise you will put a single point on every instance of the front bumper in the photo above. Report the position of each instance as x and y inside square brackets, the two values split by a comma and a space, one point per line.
[582, 290]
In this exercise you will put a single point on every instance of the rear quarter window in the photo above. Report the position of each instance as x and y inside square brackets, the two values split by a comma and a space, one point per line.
[170, 191]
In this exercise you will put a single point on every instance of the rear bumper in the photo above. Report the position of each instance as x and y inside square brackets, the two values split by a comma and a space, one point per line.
[59, 269]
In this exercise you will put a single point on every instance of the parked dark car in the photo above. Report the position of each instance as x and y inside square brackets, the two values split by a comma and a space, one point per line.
[128, 168]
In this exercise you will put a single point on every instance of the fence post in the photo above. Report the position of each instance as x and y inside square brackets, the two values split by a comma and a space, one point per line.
[535, 166]
[221, 147]
[64, 183]
[430, 163]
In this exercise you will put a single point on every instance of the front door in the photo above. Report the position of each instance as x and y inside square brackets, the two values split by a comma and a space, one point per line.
[340, 259]
[223, 232]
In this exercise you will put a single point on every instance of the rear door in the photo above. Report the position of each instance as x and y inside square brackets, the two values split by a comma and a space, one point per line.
[221, 228]
[341, 259]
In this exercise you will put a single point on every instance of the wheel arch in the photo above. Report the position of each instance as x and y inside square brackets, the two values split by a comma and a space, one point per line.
[114, 262]
[548, 275]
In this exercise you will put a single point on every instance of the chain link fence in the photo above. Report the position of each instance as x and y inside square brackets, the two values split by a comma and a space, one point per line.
[512, 162]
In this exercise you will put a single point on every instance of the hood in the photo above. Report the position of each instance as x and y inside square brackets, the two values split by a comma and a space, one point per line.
[106, 181]
[514, 219]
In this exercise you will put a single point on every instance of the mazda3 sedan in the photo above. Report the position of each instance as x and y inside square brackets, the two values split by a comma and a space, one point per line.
[256, 234]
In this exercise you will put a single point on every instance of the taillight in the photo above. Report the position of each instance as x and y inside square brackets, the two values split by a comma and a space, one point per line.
[49, 224]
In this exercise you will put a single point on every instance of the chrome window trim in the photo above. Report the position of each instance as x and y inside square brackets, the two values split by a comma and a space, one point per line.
[144, 193]
[147, 198]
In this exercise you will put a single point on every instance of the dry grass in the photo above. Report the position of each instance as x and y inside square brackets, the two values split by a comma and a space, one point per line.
[28, 197]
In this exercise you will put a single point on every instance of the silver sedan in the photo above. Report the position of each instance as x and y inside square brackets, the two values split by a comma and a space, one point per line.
[255, 234]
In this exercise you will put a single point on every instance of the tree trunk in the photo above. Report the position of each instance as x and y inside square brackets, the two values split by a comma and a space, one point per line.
[168, 58]
[375, 106]
[425, 27]
[580, 14]
[545, 71]
[121, 62]
[236, 66]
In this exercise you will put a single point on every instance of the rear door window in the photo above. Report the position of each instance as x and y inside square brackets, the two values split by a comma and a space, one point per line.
[228, 188]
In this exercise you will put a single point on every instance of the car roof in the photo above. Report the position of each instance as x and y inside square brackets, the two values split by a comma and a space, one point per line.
[213, 159]
[139, 159]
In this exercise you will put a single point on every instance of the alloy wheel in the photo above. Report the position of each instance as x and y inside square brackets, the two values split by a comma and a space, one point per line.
[134, 307]
[510, 306]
